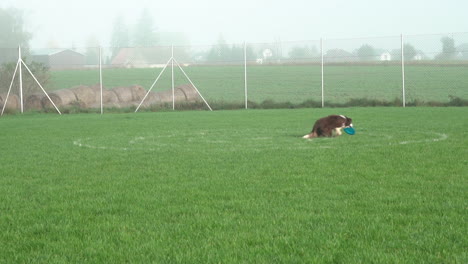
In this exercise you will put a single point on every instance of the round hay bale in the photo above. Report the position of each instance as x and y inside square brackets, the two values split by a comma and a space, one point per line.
[108, 96]
[138, 92]
[189, 92]
[60, 98]
[124, 94]
[180, 94]
[151, 99]
[166, 96]
[97, 92]
[12, 103]
[34, 101]
[84, 94]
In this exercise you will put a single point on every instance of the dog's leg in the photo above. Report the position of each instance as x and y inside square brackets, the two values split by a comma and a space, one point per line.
[338, 131]
[311, 135]
[328, 132]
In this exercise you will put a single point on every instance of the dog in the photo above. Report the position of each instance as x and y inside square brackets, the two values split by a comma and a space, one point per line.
[329, 126]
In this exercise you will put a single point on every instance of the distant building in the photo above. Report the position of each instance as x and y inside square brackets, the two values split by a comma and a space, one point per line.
[418, 57]
[58, 58]
[385, 56]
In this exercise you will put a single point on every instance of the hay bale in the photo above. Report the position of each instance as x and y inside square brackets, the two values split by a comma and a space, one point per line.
[34, 101]
[182, 93]
[108, 96]
[60, 98]
[138, 92]
[124, 94]
[151, 99]
[12, 103]
[84, 94]
[97, 92]
[129, 93]
[189, 92]
[165, 96]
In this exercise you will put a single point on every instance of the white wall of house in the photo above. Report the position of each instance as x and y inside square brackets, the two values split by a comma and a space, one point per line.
[385, 56]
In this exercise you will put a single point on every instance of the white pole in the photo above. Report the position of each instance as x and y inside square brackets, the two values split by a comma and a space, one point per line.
[154, 83]
[321, 52]
[100, 76]
[245, 75]
[11, 84]
[403, 71]
[42, 88]
[172, 69]
[186, 76]
[20, 79]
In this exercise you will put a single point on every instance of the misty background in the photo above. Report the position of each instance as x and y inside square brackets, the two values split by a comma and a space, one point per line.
[215, 31]
[57, 23]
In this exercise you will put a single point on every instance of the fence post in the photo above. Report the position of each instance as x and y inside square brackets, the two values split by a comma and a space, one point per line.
[172, 77]
[321, 53]
[403, 71]
[20, 78]
[100, 77]
[245, 75]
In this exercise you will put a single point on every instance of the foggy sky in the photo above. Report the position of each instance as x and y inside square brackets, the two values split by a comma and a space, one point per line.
[71, 23]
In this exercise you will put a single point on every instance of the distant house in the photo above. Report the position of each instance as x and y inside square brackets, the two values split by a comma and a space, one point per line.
[58, 58]
[385, 56]
[418, 57]
[147, 57]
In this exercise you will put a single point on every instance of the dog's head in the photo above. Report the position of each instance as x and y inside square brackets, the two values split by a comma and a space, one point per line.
[348, 121]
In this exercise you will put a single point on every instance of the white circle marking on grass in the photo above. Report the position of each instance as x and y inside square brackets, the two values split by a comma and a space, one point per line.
[440, 137]
[158, 142]
[383, 140]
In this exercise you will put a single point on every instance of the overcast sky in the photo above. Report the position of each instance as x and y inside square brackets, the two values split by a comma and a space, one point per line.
[71, 23]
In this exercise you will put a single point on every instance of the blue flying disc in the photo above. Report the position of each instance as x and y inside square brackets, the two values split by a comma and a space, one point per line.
[349, 130]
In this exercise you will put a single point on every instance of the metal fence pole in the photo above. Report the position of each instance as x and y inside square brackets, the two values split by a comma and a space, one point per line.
[245, 75]
[100, 77]
[321, 52]
[403, 71]
[172, 77]
[40, 86]
[20, 79]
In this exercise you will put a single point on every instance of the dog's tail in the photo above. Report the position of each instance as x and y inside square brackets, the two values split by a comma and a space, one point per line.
[311, 135]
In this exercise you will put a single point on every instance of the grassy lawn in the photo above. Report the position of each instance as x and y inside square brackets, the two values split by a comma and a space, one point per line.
[234, 187]
[291, 83]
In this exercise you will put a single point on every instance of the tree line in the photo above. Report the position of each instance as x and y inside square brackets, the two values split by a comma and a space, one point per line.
[144, 34]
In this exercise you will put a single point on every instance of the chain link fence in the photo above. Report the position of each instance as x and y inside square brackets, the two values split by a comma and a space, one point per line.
[323, 72]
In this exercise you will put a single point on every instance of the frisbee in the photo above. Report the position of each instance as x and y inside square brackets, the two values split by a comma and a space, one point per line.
[349, 130]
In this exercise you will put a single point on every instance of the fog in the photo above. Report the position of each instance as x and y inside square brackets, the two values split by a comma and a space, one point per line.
[62, 23]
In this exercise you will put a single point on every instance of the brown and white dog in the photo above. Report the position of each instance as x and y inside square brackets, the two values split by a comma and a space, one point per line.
[329, 126]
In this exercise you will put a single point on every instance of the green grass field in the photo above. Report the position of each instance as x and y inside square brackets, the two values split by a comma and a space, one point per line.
[234, 187]
[289, 83]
